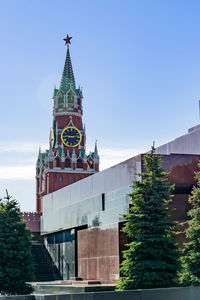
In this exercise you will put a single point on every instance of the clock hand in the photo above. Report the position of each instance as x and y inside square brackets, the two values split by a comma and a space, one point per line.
[70, 136]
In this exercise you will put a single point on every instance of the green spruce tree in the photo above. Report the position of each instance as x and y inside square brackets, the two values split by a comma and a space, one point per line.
[15, 256]
[191, 251]
[152, 257]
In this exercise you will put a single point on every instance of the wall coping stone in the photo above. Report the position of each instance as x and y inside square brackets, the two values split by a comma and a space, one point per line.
[176, 293]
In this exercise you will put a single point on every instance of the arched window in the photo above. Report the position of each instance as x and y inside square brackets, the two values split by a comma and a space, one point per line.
[90, 163]
[70, 99]
[79, 163]
[60, 101]
[68, 163]
[57, 162]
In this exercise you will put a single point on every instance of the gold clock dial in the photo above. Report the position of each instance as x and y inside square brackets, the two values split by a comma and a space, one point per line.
[71, 136]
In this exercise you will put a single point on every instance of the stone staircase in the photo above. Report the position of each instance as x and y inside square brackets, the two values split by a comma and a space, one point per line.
[44, 267]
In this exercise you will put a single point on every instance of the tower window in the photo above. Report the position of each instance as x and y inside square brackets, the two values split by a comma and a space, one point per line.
[80, 163]
[57, 162]
[70, 99]
[60, 101]
[67, 163]
[73, 179]
[61, 178]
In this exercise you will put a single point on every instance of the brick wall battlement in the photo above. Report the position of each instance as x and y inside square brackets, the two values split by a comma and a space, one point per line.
[32, 220]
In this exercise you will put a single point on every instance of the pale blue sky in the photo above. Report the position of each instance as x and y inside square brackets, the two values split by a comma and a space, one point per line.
[138, 63]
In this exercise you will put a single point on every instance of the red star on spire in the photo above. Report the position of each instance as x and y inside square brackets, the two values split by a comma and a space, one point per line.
[67, 40]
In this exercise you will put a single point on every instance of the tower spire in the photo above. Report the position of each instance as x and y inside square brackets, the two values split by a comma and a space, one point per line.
[67, 79]
[96, 155]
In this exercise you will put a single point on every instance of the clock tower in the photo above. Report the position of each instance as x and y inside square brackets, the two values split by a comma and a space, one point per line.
[66, 161]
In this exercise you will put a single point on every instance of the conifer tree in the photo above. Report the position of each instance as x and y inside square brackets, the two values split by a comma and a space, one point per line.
[191, 251]
[15, 256]
[151, 260]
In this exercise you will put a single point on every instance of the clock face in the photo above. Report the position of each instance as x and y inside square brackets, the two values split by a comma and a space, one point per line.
[71, 136]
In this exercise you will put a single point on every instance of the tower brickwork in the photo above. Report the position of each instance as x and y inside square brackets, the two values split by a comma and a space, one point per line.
[66, 161]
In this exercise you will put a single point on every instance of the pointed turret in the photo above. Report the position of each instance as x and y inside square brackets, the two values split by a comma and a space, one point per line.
[56, 142]
[39, 158]
[51, 156]
[67, 97]
[74, 157]
[63, 153]
[74, 160]
[67, 80]
[96, 155]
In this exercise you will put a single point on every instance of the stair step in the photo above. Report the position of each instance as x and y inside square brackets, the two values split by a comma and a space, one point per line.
[44, 269]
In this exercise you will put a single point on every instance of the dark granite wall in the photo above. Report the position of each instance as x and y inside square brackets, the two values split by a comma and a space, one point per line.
[182, 168]
[100, 248]
[98, 253]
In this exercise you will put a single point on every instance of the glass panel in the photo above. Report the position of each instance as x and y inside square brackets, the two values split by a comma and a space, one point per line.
[109, 216]
[118, 193]
[72, 215]
[61, 247]
[120, 201]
